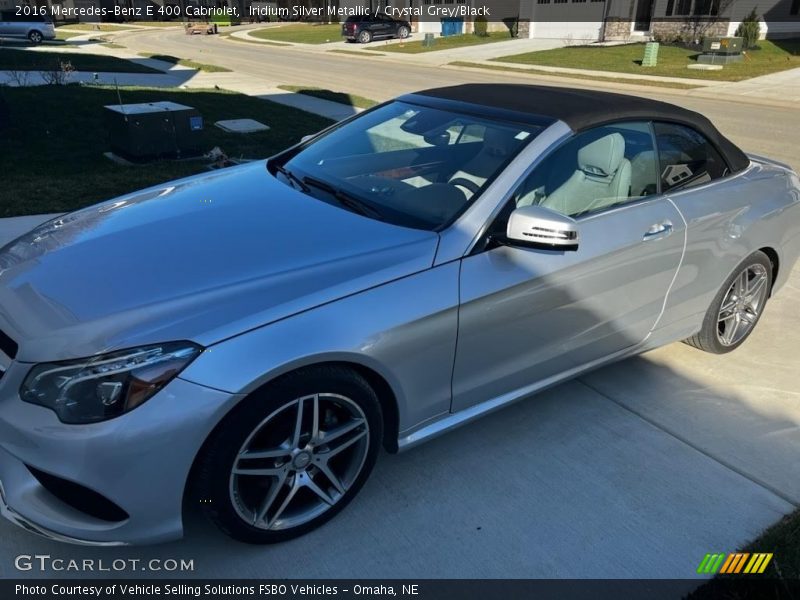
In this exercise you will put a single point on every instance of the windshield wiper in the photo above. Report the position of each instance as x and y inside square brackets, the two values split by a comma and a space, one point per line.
[293, 179]
[345, 199]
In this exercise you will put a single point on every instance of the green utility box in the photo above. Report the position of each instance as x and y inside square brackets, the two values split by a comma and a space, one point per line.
[154, 129]
[650, 54]
[429, 40]
[721, 51]
[726, 45]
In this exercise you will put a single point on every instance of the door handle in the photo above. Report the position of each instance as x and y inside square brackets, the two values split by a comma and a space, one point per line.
[658, 231]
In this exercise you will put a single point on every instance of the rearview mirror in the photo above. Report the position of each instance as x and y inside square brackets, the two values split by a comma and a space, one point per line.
[540, 227]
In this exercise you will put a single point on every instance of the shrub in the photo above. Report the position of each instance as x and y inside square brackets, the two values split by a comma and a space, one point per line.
[481, 26]
[749, 30]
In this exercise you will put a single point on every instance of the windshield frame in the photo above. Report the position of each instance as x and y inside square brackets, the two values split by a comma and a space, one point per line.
[536, 123]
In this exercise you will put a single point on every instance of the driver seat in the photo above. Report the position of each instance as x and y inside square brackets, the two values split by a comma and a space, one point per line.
[497, 147]
[603, 178]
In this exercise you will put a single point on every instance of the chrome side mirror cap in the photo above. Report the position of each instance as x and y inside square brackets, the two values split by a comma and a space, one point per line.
[540, 227]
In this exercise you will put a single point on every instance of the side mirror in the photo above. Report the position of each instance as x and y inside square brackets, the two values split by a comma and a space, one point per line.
[540, 227]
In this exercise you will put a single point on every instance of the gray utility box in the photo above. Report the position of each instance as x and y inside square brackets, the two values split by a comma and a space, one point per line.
[154, 129]
[721, 51]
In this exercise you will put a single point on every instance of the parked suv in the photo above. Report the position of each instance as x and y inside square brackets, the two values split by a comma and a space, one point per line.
[365, 28]
[32, 27]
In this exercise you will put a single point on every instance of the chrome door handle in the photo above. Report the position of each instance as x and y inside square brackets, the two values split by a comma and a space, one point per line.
[658, 231]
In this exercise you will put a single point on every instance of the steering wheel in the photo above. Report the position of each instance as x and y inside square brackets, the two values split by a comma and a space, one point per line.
[468, 184]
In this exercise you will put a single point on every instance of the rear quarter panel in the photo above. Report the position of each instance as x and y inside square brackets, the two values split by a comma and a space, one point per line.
[726, 221]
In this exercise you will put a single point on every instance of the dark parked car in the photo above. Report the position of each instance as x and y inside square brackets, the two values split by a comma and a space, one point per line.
[366, 28]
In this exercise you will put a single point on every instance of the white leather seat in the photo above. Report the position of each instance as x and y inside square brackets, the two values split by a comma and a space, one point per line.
[603, 178]
[497, 146]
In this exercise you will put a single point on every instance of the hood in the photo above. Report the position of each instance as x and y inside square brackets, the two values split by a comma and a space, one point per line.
[201, 259]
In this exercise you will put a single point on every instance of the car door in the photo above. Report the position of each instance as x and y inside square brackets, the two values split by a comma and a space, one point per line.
[7, 24]
[384, 26]
[529, 315]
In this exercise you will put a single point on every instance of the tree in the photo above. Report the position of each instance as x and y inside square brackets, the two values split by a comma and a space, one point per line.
[749, 30]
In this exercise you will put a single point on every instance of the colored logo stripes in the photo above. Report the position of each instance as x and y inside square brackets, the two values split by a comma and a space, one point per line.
[735, 562]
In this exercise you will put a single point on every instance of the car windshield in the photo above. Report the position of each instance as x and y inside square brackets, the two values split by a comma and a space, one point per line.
[406, 164]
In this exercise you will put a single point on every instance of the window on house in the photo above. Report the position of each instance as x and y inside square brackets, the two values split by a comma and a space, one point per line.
[543, 1]
[706, 7]
[682, 8]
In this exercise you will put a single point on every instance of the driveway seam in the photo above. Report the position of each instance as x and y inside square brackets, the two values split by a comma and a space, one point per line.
[684, 440]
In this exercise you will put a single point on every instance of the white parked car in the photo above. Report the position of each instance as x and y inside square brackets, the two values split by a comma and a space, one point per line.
[35, 28]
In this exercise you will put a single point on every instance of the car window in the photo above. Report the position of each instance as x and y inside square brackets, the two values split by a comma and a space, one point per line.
[417, 166]
[686, 157]
[597, 169]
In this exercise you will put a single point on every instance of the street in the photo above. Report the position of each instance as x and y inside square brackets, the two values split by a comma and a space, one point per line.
[635, 470]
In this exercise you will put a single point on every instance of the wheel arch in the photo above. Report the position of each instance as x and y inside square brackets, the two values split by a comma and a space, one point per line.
[772, 254]
[386, 396]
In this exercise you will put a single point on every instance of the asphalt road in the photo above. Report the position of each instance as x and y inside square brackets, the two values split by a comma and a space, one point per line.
[634, 470]
[756, 128]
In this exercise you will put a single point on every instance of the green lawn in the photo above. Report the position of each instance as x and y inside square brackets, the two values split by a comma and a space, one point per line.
[776, 55]
[106, 27]
[450, 41]
[341, 98]
[185, 62]
[356, 52]
[62, 35]
[51, 154]
[670, 84]
[300, 33]
[31, 60]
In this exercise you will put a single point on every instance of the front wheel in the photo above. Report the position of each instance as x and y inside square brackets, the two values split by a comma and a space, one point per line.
[35, 37]
[291, 456]
[402, 32]
[737, 307]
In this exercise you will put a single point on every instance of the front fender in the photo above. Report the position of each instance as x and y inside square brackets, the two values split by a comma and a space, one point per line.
[404, 330]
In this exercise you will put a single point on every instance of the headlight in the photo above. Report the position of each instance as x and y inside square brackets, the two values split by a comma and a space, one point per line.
[103, 387]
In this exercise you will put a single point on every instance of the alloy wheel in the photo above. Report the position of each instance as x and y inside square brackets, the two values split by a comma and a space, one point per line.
[742, 305]
[299, 461]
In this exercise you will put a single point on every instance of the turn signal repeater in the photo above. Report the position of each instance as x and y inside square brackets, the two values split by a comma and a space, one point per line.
[103, 387]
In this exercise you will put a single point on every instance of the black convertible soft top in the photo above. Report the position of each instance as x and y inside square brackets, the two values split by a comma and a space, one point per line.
[583, 109]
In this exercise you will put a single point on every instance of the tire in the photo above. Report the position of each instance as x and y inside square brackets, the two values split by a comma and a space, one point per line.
[402, 32]
[298, 493]
[365, 37]
[35, 37]
[733, 315]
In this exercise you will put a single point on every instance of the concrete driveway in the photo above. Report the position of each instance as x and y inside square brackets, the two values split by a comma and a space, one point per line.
[635, 470]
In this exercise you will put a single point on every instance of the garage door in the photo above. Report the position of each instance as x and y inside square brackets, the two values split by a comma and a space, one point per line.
[578, 31]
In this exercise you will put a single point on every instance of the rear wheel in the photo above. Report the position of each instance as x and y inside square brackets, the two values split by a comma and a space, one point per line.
[737, 307]
[35, 37]
[291, 456]
[402, 32]
[365, 37]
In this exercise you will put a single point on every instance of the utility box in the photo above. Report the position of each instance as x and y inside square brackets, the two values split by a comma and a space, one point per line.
[726, 45]
[650, 58]
[721, 51]
[429, 40]
[154, 129]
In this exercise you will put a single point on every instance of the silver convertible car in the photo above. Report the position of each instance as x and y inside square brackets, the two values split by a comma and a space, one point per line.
[248, 340]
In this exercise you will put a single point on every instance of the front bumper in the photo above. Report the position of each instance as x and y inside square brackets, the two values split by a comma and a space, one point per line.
[139, 461]
[10, 514]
